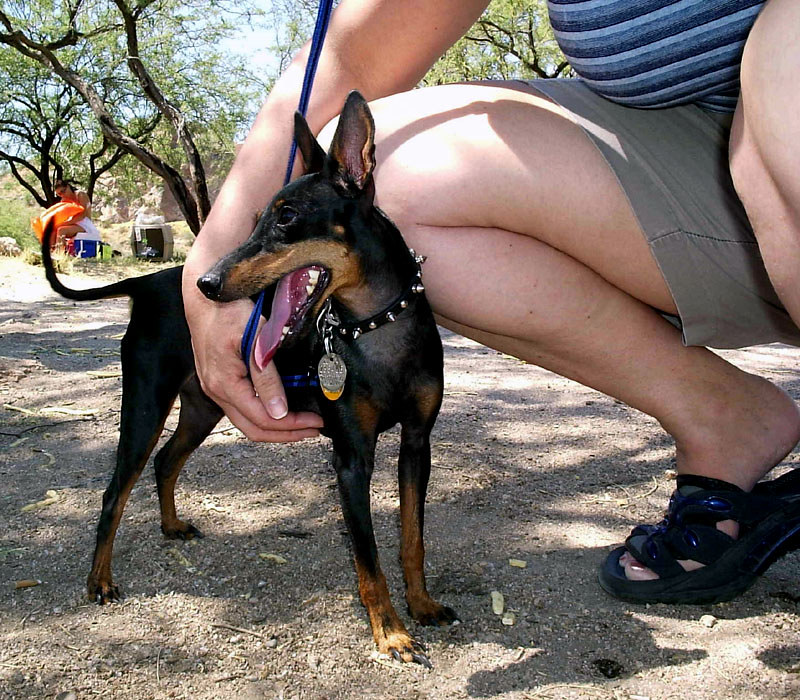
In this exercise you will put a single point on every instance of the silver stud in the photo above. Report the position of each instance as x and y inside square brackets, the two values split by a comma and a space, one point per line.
[391, 317]
[373, 325]
[356, 333]
[413, 253]
[404, 304]
[418, 288]
[419, 259]
[343, 331]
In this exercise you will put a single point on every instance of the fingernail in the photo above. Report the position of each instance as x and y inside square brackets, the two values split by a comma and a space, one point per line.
[277, 408]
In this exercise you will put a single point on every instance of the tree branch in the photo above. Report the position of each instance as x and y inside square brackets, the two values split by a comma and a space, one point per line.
[172, 113]
[172, 178]
[13, 162]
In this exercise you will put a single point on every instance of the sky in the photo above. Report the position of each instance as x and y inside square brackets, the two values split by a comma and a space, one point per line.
[254, 46]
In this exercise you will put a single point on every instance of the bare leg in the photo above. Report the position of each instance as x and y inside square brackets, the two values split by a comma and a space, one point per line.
[69, 231]
[765, 144]
[66, 232]
[533, 250]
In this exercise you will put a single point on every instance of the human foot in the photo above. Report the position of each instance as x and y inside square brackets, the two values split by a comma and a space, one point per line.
[722, 567]
[736, 437]
[636, 571]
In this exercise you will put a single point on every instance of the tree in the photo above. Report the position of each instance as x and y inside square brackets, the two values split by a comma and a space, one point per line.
[138, 65]
[511, 40]
[47, 132]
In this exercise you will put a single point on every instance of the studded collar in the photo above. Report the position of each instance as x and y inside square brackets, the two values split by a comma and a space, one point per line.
[329, 323]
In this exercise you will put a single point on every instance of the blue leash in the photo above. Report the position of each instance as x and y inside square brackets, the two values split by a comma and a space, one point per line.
[320, 29]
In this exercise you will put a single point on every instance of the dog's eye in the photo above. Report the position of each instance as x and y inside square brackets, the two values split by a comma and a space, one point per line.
[286, 216]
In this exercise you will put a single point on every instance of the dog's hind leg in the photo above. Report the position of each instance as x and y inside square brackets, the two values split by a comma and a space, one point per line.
[198, 416]
[146, 401]
[413, 473]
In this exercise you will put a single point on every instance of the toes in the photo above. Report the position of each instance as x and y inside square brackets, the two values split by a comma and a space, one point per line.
[104, 593]
[194, 532]
[448, 616]
[182, 531]
[404, 649]
[421, 659]
[635, 571]
[415, 652]
[439, 615]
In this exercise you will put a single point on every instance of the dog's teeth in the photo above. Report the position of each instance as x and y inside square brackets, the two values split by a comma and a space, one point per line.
[313, 276]
[310, 289]
[285, 332]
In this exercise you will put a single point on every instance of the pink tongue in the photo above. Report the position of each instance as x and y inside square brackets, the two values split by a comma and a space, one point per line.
[290, 295]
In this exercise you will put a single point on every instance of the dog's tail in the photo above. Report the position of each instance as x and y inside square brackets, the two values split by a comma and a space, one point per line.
[116, 289]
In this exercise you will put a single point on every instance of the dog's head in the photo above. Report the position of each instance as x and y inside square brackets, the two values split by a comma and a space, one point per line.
[307, 239]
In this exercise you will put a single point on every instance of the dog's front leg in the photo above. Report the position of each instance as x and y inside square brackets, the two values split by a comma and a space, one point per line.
[353, 472]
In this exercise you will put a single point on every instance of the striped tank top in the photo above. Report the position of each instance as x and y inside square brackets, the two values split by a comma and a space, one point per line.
[657, 53]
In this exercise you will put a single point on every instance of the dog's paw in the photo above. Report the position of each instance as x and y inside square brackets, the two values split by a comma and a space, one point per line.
[430, 613]
[402, 647]
[102, 592]
[180, 530]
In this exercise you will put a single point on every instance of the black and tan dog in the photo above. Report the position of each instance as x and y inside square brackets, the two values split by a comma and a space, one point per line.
[348, 313]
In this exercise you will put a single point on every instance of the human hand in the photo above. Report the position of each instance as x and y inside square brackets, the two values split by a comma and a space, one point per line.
[258, 407]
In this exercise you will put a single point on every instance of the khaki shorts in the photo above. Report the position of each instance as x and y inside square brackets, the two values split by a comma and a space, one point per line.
[673, 166]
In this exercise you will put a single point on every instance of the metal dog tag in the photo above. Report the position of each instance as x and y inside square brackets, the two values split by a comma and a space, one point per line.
[332, 375]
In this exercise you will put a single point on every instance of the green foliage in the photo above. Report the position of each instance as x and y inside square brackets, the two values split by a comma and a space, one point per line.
[179, 45]
[15, 221]
[511, 40]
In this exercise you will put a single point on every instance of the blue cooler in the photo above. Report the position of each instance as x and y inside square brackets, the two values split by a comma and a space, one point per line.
[86, 249]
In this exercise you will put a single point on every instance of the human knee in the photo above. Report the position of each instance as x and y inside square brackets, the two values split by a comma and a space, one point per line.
[765, 140]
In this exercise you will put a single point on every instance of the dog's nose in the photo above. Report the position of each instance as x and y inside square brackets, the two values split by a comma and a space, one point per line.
[210, 284]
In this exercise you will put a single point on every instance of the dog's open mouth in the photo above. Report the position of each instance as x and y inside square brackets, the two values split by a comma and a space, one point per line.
[295, 295]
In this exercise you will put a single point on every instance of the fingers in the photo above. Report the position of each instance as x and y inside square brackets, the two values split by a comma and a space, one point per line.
[248, 410]
[269, 389]
[282, 431]
[262, 413]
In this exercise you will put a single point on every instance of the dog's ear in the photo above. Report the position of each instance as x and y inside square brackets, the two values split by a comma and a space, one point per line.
[313, 155]
[352, 152]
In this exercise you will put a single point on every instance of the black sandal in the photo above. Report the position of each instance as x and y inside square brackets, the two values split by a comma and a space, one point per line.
[769, 527]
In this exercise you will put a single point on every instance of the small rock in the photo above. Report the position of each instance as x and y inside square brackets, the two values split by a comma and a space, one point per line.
[9, 247]
[67, 695]
[508, 619]
[275, 558]
[498, 602]
[517, 563]
[708, 621]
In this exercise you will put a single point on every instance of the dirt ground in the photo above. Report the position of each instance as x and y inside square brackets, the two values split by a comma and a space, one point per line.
[527, 466]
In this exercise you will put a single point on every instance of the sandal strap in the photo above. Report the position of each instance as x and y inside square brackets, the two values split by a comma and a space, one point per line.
[689, 532]
[714, 500]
